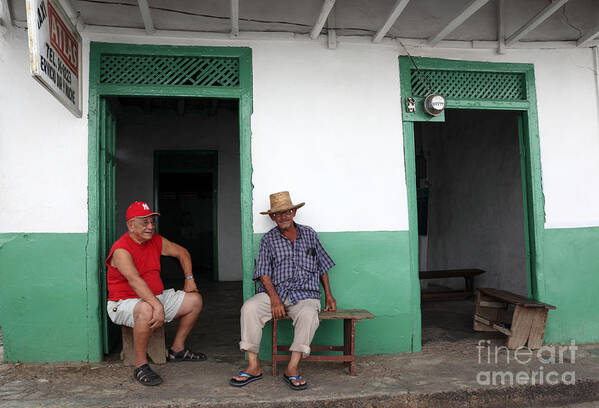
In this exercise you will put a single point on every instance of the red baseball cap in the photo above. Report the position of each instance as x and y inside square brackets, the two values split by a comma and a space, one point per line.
[139, 209]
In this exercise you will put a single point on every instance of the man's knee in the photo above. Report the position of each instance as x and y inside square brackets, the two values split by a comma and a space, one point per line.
[249, 308]
[196, 301]
[308, 315]
[142, 312]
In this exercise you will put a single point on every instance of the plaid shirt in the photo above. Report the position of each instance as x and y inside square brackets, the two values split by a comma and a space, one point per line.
[293, 269]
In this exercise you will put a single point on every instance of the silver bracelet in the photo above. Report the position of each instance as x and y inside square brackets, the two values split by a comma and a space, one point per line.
[188, 276]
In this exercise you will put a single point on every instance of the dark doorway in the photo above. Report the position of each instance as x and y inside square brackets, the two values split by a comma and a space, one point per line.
[471, 213]
[186, 187]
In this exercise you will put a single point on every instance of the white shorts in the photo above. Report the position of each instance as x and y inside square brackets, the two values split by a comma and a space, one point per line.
[121, 311]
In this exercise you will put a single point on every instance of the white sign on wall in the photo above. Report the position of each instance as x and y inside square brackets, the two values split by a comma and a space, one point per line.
[55, 52]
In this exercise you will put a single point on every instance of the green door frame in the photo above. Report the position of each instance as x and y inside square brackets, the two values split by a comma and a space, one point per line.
[107, 204]
[212, 170]
[534, 200]
[242, 93]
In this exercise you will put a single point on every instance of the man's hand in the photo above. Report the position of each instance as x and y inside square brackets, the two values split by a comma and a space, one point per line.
[277, 307]
[330, 303]
[157, 317]
[190, 286]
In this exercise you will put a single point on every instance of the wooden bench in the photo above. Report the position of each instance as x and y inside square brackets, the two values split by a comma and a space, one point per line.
[156, 346]
[495, 309]
[467, 274]
[350, 317]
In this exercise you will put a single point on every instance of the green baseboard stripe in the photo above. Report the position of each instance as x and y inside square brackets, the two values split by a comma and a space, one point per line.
[44, 311]
[571, 283]
[372, 272]
[47, 315]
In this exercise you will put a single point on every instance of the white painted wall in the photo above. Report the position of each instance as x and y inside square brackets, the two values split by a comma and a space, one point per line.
[43, 150]
[326, 126]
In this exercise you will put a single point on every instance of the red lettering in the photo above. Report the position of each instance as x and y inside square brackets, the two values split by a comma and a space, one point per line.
[62, 41]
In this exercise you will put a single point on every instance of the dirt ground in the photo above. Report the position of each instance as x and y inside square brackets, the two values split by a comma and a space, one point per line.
[443, 375]
[450, 371]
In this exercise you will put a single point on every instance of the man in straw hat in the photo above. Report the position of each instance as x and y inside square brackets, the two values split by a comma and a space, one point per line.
[136, 295]
[290, 263]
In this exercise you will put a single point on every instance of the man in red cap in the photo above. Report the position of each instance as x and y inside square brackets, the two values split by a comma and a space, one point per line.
[136, 295]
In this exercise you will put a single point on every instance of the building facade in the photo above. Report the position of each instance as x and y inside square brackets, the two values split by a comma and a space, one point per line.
[331, 126]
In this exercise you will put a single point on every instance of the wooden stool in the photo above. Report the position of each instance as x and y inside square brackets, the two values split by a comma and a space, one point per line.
[156, 346]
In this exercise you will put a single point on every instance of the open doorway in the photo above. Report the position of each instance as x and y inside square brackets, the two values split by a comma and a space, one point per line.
[471, 213]
[186, 193]
[181, 155]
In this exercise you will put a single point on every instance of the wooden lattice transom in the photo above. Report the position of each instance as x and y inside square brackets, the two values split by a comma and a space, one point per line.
[169, 70]
[469, 85]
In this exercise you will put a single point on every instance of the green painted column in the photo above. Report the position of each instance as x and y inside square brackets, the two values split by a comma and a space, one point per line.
[571, 284]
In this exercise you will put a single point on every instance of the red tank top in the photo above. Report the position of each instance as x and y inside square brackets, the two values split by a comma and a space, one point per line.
[146, 258]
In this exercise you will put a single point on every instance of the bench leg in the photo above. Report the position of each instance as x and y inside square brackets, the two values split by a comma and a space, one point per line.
[537, 330]
[274, 347]
[469, 284]
[349, 343]
[521, 325]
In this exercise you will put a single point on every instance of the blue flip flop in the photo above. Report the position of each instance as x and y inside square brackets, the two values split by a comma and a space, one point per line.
[292, 385]
[250, 378]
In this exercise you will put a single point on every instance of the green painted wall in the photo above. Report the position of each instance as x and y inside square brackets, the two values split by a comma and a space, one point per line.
[571, 284]
[44, 311]
[372, 272]
[46, 314]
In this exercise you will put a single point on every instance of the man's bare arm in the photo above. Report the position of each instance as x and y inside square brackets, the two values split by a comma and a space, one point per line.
[122, 260]
[177, 251]
[276, 305]
[330, 302]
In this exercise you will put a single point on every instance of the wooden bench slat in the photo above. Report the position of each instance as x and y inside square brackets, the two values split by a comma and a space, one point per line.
[344, 359]
[502, 329]
[450, 273]
[494, 305]
[513, 298]
[497, 326]
[315, 348]
[354, 314]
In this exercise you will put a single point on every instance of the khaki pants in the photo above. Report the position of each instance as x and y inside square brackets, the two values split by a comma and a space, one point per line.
[256, 312]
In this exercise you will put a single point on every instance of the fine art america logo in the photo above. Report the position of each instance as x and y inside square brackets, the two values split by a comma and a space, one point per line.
[543, 366]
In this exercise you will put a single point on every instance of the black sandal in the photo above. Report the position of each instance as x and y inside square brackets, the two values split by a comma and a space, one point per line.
[146, 376]
[185, 355]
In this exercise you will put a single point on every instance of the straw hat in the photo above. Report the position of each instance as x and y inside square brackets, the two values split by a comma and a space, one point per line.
[281, 202]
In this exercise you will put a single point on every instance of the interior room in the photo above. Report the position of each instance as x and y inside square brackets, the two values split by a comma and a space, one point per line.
[470, 214]
[181, 155]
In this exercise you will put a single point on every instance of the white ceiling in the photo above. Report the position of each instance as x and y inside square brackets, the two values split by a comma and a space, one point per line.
[574, 21]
